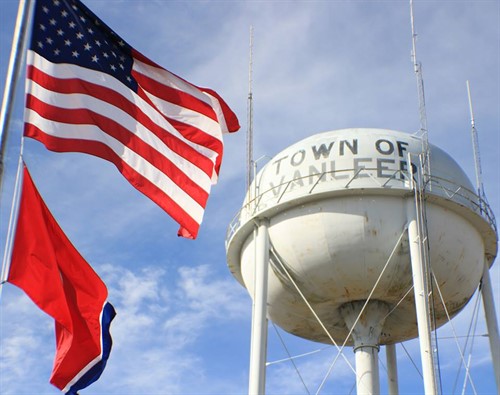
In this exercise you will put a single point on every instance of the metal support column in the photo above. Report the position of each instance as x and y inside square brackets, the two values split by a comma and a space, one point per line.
[491, 321]
[258, 346]
[366, 328]
[420, 289]
[392, 369]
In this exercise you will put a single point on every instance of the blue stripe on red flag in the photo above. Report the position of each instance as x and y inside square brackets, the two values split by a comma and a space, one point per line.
[93, 374]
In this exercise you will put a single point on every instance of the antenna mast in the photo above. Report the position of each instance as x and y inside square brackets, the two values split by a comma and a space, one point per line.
[475, 146]
[417, 67]
[421, 269]
[250, 116]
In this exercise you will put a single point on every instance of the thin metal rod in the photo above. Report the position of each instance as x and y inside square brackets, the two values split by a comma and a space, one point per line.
[472, 122]
[417, 67]
[250, 116]
[475, 146]
[340, 350]
[258, 346]
[15, 62]
[412, 361]
[467, 376]
[399, 302]
[296, 356]
[491, 321]
[471, 329]
[467, 372]
[413, 39]
[290, 358]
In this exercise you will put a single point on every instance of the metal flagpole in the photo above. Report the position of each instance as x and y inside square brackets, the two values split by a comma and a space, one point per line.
[16, 60]
[11, 230]
[257, 376]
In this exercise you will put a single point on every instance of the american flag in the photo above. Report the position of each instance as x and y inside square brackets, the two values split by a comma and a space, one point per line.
[89, 91]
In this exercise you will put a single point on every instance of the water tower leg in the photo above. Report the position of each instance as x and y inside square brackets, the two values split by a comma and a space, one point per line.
[491, 321]
[392, 369]
[366, 335]
[258, 344]
[421, 301]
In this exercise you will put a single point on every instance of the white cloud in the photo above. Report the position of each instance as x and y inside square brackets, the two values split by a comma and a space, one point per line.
[158, 326]
[25, 352]
[155, 333]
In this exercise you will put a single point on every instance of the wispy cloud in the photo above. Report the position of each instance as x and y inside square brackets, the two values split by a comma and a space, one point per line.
[159, 326]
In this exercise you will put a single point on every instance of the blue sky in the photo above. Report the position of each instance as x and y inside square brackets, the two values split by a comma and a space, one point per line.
[183, 323]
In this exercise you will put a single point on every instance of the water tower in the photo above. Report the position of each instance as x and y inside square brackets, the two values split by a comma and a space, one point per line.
[331, 230]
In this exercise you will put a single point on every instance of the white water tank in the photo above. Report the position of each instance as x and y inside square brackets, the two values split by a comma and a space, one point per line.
[336, 204]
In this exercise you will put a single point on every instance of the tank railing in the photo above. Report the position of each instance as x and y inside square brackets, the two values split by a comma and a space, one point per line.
[256, 202]
[451, 190]
[286, 187]
[251, 208]
[378, 182]
[405, 176]
[450, 193]
[354, 177]
[234, 225]
[478, 203]
[317, 182]
[346, 186]
[393, 176]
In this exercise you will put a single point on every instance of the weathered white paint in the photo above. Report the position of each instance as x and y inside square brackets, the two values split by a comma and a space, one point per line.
[335, 231]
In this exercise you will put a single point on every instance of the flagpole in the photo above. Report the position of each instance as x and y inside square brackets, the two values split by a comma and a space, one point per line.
[9, 240]
[17, 54]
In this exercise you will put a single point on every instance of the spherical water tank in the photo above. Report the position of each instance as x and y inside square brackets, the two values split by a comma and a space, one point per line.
[337, 208]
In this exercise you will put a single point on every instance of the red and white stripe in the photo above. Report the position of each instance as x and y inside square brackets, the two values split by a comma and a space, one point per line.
[166, 139]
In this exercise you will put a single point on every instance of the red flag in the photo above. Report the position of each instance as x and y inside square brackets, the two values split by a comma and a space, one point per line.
[89, 91]
[48, 268]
